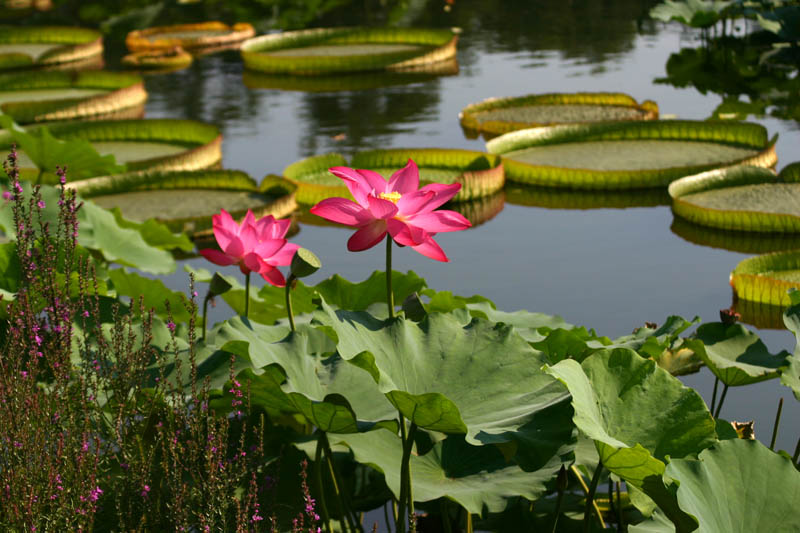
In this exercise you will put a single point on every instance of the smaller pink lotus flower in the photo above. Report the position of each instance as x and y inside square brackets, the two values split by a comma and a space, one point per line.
[397, 207]
[256, 245]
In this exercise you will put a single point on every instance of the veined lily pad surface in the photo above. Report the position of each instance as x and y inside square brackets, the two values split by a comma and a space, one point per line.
[739, 198]
[39, 46]
[189, 36]
[480, 174]
[496, 116]
[161, 144]
[328, 50]
[50, 96]
[185, 201]
[767, 278]
[628, 155]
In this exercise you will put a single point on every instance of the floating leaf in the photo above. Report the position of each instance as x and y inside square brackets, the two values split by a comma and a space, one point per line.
[194, 37]
[767, 278]
[732, 488]
[33, 46]
[734, 354]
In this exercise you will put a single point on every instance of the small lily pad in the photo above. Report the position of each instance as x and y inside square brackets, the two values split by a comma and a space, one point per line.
[496, 116]
[327, 50]
[628, 155]
[480, 174]
[189, 36]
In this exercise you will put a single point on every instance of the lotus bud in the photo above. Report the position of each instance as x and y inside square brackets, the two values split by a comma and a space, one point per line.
[304, 263]
[413, 308]
[218, 286]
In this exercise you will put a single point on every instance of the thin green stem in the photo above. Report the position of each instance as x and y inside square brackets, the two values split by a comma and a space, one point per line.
[796, 455]
[469, 522]
[389, 293]
[247, 295]
[345, 509]
[320, 485]
[587, 512]
[714, 395]
[205, 316]
[386, 517]
[447, 527]
[777, 423]
[406, 504]
[721, 401]
[559, 500]
[289, 312]
[400, 519]
[621, 521]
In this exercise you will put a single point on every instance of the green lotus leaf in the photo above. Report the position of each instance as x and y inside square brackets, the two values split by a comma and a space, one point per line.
[35, 46]
[496, 116]
[732, 488]
[783, 21]
[628, 155]
[639, 416]
[153, 293]
[48, 96]
[328, 50]
[530, 326]
[194, 37]
[738, 198]
[481, 175]
[98, 230]
[746, 242]
[476, 477]
[767, 278]
[358, 81]
[694, 13]
[657, 523]
[550, 198]
[480, 378]
[790, 376]
[734, 354]
[156, 234]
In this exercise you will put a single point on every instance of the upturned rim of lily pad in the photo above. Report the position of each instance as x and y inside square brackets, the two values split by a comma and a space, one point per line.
[71, 46]
[174, 58]
[753, 278]
[146, 40]
[435, 45]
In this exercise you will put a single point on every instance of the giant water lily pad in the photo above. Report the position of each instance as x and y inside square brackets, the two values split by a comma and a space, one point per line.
[767, 278]
[328, 50]
[189, 36]
[185, 200]
[739, 486]
[48, 46]
[358, 81]
[49, 96]
[496, 116]
[162, 60]
[628, 155]
[480, 174]
[740, 198]
[153, 145]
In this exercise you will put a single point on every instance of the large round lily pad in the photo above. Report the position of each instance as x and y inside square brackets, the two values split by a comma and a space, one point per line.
[479, 173]
[162, 144]
[185, 201]
[189, 36]
[767, 278]
[48, 96]
[628, 155]
[496, 116]
[328, 50]
[739, 198]
[46, 46]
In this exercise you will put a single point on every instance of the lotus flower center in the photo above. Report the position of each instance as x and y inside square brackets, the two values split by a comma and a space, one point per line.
[391, 196]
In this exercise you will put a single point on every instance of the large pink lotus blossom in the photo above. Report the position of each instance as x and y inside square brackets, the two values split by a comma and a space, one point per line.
[256, 245]
[396, 206]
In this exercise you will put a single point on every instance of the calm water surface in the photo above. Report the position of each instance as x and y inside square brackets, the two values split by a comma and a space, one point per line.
[609, 269]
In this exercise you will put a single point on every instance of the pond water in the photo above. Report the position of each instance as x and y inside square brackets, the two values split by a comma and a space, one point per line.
[608, 269]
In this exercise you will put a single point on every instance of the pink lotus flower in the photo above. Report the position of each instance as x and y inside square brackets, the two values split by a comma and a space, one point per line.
[256, 246]
[396, 206]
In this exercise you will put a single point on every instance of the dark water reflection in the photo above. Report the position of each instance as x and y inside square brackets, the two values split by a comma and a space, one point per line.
[611, 267]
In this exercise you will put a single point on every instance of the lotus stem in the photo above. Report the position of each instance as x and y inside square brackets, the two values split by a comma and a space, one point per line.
[246, 294]
[796, 455]
[561, 485]
[389, 293]
[386, 516]
[447, 527]
[721, 400]
[775, 426]
[345, 509]
[585, 488]
[590, 503]
[714, 394]
[205, 314]
[621, 521]
[406, 494]
[469, 522]
[320, 486]
[289, 312]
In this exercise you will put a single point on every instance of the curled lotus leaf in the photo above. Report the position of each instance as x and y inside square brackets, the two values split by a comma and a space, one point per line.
[734, 354]
[740, 198]
[320, 51]
[694, 13]
[47, 96]
[628, 155]
[767, 278]
[204, 35]
[481, 175]
[496, 116]
[731, 487]
[48, 46]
